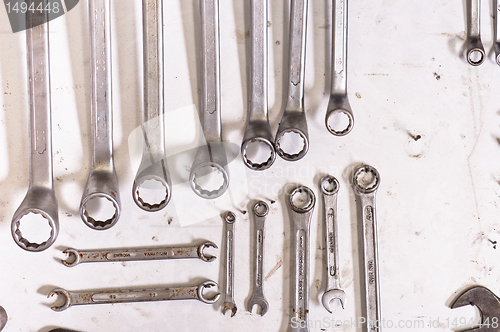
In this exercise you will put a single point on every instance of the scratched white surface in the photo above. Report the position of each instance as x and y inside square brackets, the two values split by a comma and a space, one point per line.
[407, 78]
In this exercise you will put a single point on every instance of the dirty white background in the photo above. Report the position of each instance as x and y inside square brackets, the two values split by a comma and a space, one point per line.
[437, 203]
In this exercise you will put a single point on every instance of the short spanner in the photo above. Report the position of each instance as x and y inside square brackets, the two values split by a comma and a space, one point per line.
[330, 187]
[301, 201]
[260, 211]
[76, 257]
[102, 181]
[497, 32]
[366, 180]
[475, 51]
[40, 198]
[229, 303]
[488, 305]
[135, 295]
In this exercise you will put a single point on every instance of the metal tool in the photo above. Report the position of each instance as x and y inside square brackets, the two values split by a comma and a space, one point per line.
[329, 188]
[102, 181]
[3, 318]
[258, 131]
[366, 180]
[301, 201]
[153, 164]
[339, 102]
[488, 305]
[40, 198]
[229, 303]
[210, 161]
[260, 211]
[497, 32]
[294, 117]
[135, 295]
[475, 51]
[62, 330]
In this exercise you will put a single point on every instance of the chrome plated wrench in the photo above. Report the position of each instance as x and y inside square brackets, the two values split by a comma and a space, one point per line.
[258, 131]
[40, 198]
[475, 51]
[366, 180]
[102, 181]
[497, 32]
[153, 164]
[339, 102]
[229, 303]
[210, 160]
[294, 121]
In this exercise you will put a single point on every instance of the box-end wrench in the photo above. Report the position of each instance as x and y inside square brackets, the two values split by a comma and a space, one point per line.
[135, 295]
[40, 198]
[339, 102]
[475, 51]
[258, 131]
[229, 303]
[260, 211]
[210, 161]
[366, 180]
[301, 201]
[153, 164]
[294, 122]
[329, 188]
[497, 32]
[102, 181]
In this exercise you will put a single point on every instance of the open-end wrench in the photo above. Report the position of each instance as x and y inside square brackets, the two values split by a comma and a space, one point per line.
[366, 180]
[260, 211]
[488, 305]
[229, 303]
[294, 121]
[330, 187]
[497, 32]
[475, 51]
[135, 295]
[40, 198]
[210, 161]
[339, 103]
[76, 257]
[102, 181]
[258, 131]
[301, 201]
[3, 318]
[153, 164]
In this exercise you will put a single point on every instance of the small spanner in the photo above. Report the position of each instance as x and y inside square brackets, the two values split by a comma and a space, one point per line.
[488, 305]
[300, 208]
[135, 295]
[475, 51]
[229, 303]
[76, 257]
[260, 211]
[330, 187]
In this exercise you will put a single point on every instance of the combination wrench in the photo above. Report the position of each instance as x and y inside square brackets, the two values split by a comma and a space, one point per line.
[229, 303]
[475, 51]
[339, 102]
[75, 257]
[260, 211]
[135, 295]
[300, 209]
[366, 180]
[102, 181]
[497, 32]
[329, 188]
[258, 131]
[293, 123]
[210, 161]
[153, 165]
[40, 198]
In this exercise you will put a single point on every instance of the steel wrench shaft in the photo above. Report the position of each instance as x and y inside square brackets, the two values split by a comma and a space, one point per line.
[229, 303]
[497, 32]
[475, 51]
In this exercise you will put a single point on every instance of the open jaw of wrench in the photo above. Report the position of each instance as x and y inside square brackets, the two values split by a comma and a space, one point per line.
[229, 303]
[135, 295]
[258, 136]
[153, 167]
[301, 201]
[338, 105]
[329, 188]
[260, 211]
[102, 183]
[209, 177]
[366, 180]
[76, 257]
[497, 32]
[293, 125]
[475, 51]
[40, 198]
[488, 305]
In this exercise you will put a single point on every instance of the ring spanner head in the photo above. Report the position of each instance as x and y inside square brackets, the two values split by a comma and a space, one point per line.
[156, 172]
[486, 302]
[201, 296]
[201, 254]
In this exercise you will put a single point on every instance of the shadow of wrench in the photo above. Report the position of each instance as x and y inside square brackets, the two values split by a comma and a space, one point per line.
[40, 198]
[488, 305]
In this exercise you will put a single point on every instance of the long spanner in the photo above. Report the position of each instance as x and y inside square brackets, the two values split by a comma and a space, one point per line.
[301, 201]
[229, 303]
[497, 32]
[475, 51]
[102, 181]
[40, 198]
[488, 305]
[366, 180]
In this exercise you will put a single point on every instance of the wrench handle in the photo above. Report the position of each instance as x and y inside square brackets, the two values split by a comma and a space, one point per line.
[332, 246]
[475, 15]
[300, 307]
[229, 294]
[259, 256]
[339, 50]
